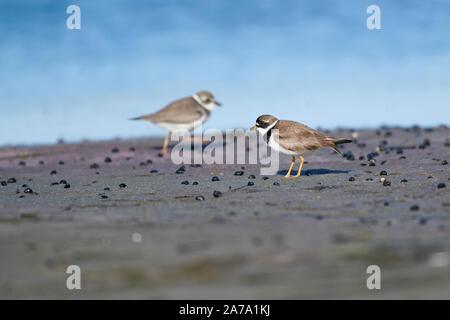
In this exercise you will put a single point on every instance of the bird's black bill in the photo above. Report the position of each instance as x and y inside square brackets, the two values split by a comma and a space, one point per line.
[218, 103]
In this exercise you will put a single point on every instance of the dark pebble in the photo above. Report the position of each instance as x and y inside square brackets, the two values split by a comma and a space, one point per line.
[383, 162]
[11, 180]
[372, 155]
[60, 162]
[104, 196]
[55, 183]
[351, 179]
[22, 163]
[94, 166]
[160, 155]
[217, 194]
[423, 220]
[27, 190]
[122, 185]
[430, 177]
[115, 150]
[369, 179]
[149, 161]
[372, 163]
[349, 156]
[153, 171]
[22, 196]
[414, 208]
[107, 189]
[239, 173]
[142, 164]
[426, 142]
[404, 181]
[185, 182]
[441, 185]
[181, 170]
[386, 183]
[444, 163]
[251, 176]
[361, 158]
[108, 160]
[276, 184]
[265, 178]
[200, 198]
[132, 149]
[67, 186]
[215, 178]
[194, 183]
[386, 203]
[363, 164]
[250, 183]
[41, 162]
[53, 172]
[383, 173]
[63, 182]
[4, 183]
[402, 158]
[24, 186]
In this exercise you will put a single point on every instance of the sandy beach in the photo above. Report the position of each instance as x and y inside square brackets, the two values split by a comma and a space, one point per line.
[138, 229]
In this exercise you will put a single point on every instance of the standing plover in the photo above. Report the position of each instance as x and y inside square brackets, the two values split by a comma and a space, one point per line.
[182, 115]
[294, 138]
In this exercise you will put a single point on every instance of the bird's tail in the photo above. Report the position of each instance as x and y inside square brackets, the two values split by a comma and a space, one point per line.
[336, 141]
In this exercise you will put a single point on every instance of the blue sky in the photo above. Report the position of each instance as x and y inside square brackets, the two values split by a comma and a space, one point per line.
[311, 61]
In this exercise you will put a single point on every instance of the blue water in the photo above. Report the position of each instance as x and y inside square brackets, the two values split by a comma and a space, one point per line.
[313, 61]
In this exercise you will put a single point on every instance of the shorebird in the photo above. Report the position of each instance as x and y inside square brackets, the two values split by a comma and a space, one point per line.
[294, 139]
[183, 115]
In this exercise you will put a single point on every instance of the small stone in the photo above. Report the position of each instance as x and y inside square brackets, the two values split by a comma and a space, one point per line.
[181, 170]
[441, 185]
[122, 185]
[215, 178]
[55, 184]
[41, 162]
[107, 189]
[149, 161]
[27, 190]
[67, 186]
[94, 166]
[11, 180]
[104, 196]
[24, 186]
[53, 172]
[372, 163]
[108, 160]
[60, 162]
[251, 176]
[22, 163]
[4, 183]
[194, 183]
[63, 182]
[217, 194]
[383, 162]
[369, 179]
[351, 179]
[239, 173]
[200, 198]
[153, 171]
[160, 155]
[386, 183]
[383, 173]
[115, 150]
[276, 183]
[185, 182]
[404, 181]
[402, 158]
[414, 207]
[250, 183]
[142, 164]
[444, 163]
[265, 178]
[386, 203]
[132, 149]
[423, 220]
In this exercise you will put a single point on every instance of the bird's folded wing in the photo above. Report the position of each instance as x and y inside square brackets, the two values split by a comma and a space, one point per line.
[181, 111]
[295, 136]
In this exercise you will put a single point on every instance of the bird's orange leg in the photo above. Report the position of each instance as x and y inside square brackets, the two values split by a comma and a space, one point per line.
[290, 168]
[300, 168]
[166, 143]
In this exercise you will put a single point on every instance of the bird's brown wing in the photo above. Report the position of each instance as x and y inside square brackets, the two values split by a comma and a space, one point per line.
[181, 111]
[297, 137]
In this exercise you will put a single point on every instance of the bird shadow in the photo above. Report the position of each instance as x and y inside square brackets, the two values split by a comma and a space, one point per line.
[313, 172]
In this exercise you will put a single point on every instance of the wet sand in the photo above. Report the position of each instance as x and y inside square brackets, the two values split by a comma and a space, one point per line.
[311, 237]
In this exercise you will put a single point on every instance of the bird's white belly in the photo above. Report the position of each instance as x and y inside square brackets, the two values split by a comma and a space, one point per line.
[274, 145]
[182, 127]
